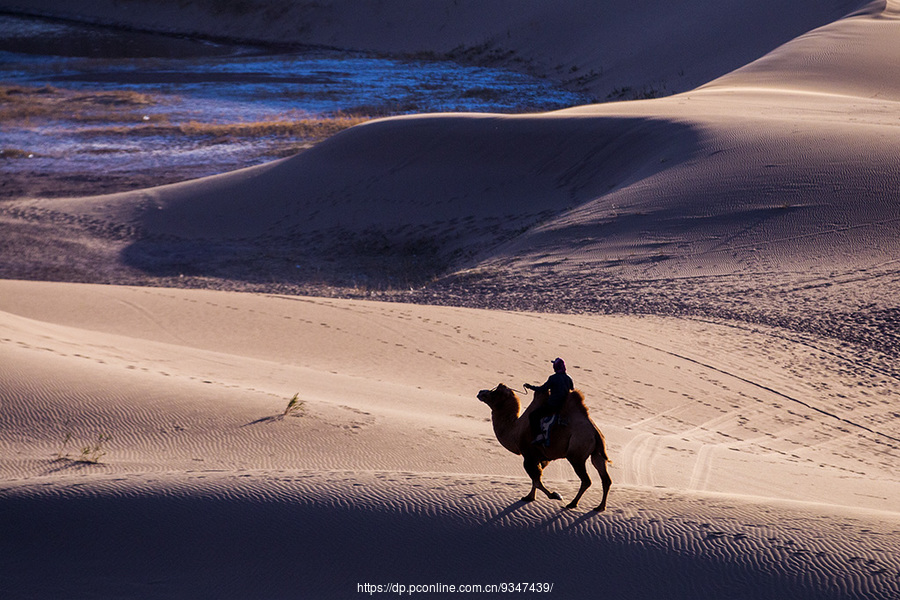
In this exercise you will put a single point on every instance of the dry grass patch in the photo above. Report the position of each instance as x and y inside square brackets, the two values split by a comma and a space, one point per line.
[312, 128]
[15, 153]
[115, 111]
[24, 103]
[92, 452]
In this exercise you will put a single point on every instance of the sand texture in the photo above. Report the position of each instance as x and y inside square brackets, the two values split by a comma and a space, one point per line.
[718, 265]
[734, 472]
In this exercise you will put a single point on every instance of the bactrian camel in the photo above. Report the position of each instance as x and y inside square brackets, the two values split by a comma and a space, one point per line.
[576, 438]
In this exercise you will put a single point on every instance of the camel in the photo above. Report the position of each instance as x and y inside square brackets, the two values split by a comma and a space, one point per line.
[575, 438]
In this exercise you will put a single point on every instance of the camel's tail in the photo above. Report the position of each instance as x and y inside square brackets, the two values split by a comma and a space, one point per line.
[576, 399]
[600, 448]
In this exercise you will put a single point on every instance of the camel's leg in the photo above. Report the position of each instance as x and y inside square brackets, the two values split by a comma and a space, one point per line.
[581, 471]
[534, 470]
[599, 459]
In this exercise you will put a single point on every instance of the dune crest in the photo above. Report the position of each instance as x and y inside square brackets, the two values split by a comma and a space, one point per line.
[850, 57]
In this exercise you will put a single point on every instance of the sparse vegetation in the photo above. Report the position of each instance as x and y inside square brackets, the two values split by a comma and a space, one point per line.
[90, 453]
[629, 93]
[22, 103]
[294, 406]
[94, 451]
[15, 153]
[66, 439]
[92, 119]
[315, 128]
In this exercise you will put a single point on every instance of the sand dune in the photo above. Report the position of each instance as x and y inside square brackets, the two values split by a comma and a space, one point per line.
[742, 234]
[247, 534]
[744, 175]
[616, 49]
[734, 465]
[849, 57]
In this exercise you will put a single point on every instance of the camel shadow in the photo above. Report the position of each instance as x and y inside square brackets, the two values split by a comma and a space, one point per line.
[506, 512]
[581, 519]
[569, 518]
[558, 516]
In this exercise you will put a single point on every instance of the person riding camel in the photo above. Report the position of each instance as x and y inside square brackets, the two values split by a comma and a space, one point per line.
[558, 386]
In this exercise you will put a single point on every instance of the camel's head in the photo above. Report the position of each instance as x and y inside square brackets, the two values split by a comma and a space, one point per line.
[498, 396]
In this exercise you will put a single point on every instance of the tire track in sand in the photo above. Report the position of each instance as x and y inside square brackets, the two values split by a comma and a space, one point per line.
[742, 379]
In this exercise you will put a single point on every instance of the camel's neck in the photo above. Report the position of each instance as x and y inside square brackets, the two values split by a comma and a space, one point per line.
[507, 426]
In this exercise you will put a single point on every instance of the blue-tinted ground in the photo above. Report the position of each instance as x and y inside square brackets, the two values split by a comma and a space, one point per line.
[92, 110]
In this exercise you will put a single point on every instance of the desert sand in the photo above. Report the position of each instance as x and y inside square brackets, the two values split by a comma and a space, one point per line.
[718, 266]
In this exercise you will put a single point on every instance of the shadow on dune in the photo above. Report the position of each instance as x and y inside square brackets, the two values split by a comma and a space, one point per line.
[270, 541]
[509, 511]
[397, 202]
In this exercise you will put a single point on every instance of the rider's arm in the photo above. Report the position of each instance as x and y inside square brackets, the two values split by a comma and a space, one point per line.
[542, 388]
